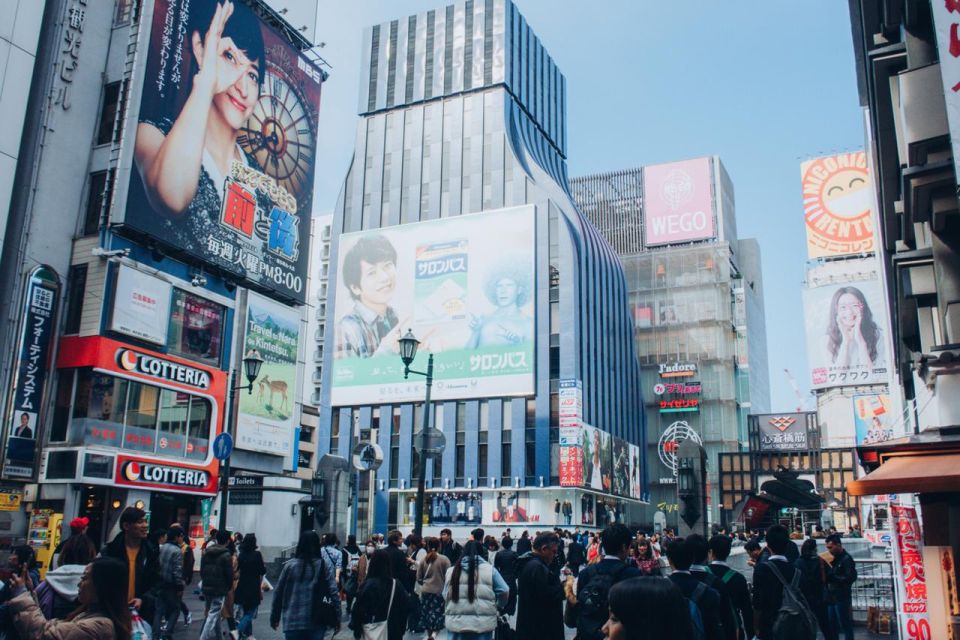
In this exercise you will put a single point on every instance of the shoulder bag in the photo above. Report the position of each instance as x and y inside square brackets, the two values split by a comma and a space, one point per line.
[325, 609]
[381, 630]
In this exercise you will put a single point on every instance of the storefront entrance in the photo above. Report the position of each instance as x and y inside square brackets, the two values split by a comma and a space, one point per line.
[169, 508]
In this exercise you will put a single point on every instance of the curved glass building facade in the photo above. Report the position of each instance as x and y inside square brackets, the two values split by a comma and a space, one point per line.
[464, 112]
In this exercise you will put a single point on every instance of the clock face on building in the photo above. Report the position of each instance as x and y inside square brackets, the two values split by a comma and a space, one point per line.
[280, 134]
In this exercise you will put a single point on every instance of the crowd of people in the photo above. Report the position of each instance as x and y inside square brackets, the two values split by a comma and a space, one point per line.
[612, 584]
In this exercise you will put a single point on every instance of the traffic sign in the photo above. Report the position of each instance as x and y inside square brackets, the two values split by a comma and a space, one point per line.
[435, 441]
[222, 446]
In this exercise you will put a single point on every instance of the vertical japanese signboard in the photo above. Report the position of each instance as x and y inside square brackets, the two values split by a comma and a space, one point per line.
[946, 22]
[911, 578]
[571, 454]
[24, 412]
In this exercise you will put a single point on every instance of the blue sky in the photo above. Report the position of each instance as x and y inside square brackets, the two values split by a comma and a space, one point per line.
[762, 84]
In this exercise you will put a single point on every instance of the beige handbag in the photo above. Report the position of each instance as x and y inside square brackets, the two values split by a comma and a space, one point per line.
[380, 630]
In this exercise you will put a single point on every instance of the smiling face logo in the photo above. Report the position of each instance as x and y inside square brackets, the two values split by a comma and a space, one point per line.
[837, 203]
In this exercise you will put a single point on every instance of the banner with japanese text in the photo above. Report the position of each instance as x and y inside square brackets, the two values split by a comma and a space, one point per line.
[911, 578]
[570, 397]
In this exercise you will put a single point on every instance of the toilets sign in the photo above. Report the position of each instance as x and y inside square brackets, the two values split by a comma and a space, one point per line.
[678, 202]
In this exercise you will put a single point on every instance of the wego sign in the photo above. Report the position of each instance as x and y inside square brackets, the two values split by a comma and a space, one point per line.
[164, 369]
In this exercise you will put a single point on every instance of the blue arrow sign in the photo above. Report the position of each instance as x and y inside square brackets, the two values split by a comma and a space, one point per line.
[223, 446]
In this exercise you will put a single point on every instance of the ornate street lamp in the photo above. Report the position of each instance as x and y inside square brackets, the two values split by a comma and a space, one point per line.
[408, 351]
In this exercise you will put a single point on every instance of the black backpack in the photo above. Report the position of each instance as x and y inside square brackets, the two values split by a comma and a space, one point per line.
[592, 607]
[795, 620]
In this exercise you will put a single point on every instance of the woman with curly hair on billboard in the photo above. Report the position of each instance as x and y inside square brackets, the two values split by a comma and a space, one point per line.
[508, 288]
[185, 160]
[853, 338]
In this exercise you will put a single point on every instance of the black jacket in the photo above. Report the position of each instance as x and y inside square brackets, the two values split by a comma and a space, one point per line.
[540, 610]
[147, 574]
[576, 554]
[841, 574]
[251, 568]
[709, 603]
[506, 563]
[739, 593]
[727, 614]
[216, 570]
[373, 601]
[768, 594]
[812, 575]
[401, 569]
[524, 545]
[452, 550]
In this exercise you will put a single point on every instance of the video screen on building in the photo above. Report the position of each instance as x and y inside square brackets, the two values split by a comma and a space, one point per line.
[464, 285]
[224, 149]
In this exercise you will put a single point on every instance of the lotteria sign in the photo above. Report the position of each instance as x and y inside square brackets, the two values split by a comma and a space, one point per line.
[142, 472]
[155, 367]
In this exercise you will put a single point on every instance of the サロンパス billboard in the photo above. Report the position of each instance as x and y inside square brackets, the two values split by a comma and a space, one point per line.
[266, 418]
[838, 205]
[678, 202]
[223, 158]
[463, 285]
[873, 418]
[846, 334]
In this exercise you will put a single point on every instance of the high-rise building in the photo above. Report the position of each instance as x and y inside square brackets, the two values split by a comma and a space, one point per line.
[696, 294]
[464, 111]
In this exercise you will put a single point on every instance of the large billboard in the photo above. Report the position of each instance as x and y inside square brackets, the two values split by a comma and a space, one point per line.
[838, 205]
[464, 285]
[783, 432]
[224, 151]
[597, 455]
[874, 418]
[847, 333]
[266, 421]
[678, 202]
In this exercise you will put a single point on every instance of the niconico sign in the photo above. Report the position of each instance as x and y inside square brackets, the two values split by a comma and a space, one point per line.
[136, 471]
[164, 369]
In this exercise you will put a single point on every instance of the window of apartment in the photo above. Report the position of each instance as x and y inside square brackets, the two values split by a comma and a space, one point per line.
[126, 12]
[108, 113]
[99, 192]
[76, 287]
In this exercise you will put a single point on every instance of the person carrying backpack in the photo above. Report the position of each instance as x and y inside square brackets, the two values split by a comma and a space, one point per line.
[594, 582]
[780, 611]
[699, 549]
[735, 583]
[703, 602]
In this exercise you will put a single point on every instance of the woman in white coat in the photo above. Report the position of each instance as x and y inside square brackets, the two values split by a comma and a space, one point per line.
[474, 592]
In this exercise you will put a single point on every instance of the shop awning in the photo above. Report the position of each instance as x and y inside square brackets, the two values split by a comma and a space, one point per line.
[929, 473]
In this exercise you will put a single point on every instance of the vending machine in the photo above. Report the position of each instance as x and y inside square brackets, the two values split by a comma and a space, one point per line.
[44, 536]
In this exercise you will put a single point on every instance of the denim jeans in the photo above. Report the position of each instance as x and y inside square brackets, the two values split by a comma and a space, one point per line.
[841, 619]
[211, 626]
[168, 610]
[245, 624]
[305, 634]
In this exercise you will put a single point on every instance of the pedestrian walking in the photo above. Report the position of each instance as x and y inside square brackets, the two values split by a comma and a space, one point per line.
[813, 584]
[473, 592]
[770, 579]
[523, 544]
[647, 563]
[736, 584]
[699, 552]
[400, 564]
[293, 599]
[705, 599]
[380, 599]
[576, 555]
[170, 585]
[189, 562]
[216, 576]
[57, 594]
[369, 549]
[506, 563]
[648, 608]
[841, 574]
[449, 547]
[541, 597]
[595, 581]
[78, 548]
[130, 547]
[103, 613]
[249, 593]
[431, 576]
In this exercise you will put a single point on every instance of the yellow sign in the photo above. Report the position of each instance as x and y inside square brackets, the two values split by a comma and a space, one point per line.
[10, 500]
[837, 205]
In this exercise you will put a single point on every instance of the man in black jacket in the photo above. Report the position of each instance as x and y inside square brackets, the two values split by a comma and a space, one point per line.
[595, 581]
[506, 563]
[576, 556]
[130, 545]
[449, 548]
[735, 585]
[680, 557]
[399, 562]
[840, 578]
[699, 549]
[767, 588]
[216, 573]
[540, 611]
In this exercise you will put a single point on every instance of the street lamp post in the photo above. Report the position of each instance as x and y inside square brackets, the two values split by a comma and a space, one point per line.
[408, 351]
[251, 369]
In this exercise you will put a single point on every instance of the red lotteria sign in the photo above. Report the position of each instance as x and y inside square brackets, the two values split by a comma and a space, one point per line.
[140, 472]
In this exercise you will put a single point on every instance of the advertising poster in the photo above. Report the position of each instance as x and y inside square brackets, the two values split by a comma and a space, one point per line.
[512, 506]
[462, 285]
[621, 467]
[141, 305]
[909, 570]
[196, 327]
[678, 203]
[456, 507]
[570, 398]
[266, 419]
[224, 152]
[587, 508]
[31, 367]
[783, 432]
[873, 418]
[838, 205]
[597, 456]
[846, 334]
[636, 490]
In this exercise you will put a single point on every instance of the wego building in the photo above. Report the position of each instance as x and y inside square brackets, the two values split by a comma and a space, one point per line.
[456, 221]
[158, 233]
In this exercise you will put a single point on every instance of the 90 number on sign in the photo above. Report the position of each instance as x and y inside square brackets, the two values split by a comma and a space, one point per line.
[919, 629]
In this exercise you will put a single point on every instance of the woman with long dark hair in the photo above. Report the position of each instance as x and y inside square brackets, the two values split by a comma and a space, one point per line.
[813, 582]
[853, 338]
[431, 575]
[646, 562]
[474, 592]
[647, 608]
[103, 613]
[381, 598]
[293, 597]
[249, 593]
